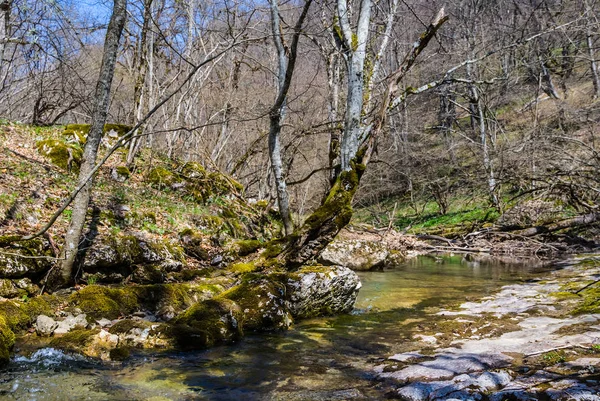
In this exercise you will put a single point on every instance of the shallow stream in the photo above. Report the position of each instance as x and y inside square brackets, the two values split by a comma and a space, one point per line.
[319, 359]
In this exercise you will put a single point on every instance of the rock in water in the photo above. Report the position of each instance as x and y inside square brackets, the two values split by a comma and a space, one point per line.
[355, 254]
[321, 290]
[45, 325]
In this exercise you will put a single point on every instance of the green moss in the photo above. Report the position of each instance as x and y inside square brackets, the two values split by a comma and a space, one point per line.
[246, 247]
[40, 305]
[79, 132]
[160, 177]
[207, 323]
[74, 340]
[7, 341]
[103, 302]
[64, 155]
[119, 354]
[14, 315]
[123, 171]
[261, 301]
[243, 268]
[191, 170]
[76, 133]
[590, 302]
[126, 325]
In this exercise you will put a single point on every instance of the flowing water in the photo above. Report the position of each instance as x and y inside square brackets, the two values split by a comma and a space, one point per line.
[325, 359]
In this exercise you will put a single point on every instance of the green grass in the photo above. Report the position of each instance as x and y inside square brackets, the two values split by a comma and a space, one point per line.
[464, 215]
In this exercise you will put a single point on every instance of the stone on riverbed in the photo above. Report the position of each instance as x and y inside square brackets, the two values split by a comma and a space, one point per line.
[321, 290]
[45, 325]
[355, 254]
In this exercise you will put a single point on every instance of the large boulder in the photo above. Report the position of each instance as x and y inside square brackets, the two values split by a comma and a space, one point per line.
[262, 303]
[356, 254]
[321, 290]
[114, 258]
[24, 259]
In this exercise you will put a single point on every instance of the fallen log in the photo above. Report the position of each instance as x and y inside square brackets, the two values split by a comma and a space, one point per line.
[573, 222]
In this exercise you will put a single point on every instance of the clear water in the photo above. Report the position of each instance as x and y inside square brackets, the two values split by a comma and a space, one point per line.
[319, 359]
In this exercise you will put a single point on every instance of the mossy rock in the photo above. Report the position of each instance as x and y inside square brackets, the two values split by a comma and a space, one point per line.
[240, 268]
[29, 264]
[126, 325]
[75, 340]
[111, 259]
[15, 316]
[120, 173]
[78, 132]
[7, 341]
[207, 323]
[194, 244]
[8, 289]
[119, 354]
[103, 302]
[148, 275]
[62, 154]
[590, 301]
[262, 301]
[160, 177]
[246, 247]
[193, 170]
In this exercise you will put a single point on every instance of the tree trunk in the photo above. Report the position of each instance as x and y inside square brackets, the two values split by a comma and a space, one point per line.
[326, 222]
[102, 96]
[5, 10]
[286, 64]
[141, 106]
[593, 65]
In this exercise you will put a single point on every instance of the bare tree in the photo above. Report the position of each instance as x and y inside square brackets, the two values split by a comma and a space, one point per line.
[286, 61]
[81, 201]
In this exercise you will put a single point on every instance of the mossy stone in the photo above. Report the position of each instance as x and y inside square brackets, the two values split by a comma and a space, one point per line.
[62, 154]
[191, 170]
[79, 132]
[161, 178]
[261, 300]
[246, 247]
[207, 323]
[240, 268]
[119, 354]
[103, 302]
[7, 341]
[126, 325]
[75, 340]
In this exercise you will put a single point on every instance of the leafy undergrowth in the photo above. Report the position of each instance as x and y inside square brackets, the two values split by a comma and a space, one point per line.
[33, 186]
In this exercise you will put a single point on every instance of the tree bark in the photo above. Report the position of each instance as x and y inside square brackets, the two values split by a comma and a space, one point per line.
[593, 64]
[5, 31]
[102, 95]
[141, 106]
[354, 46]
[286, 64]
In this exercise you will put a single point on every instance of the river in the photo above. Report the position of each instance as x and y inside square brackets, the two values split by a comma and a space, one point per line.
[328, 358]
